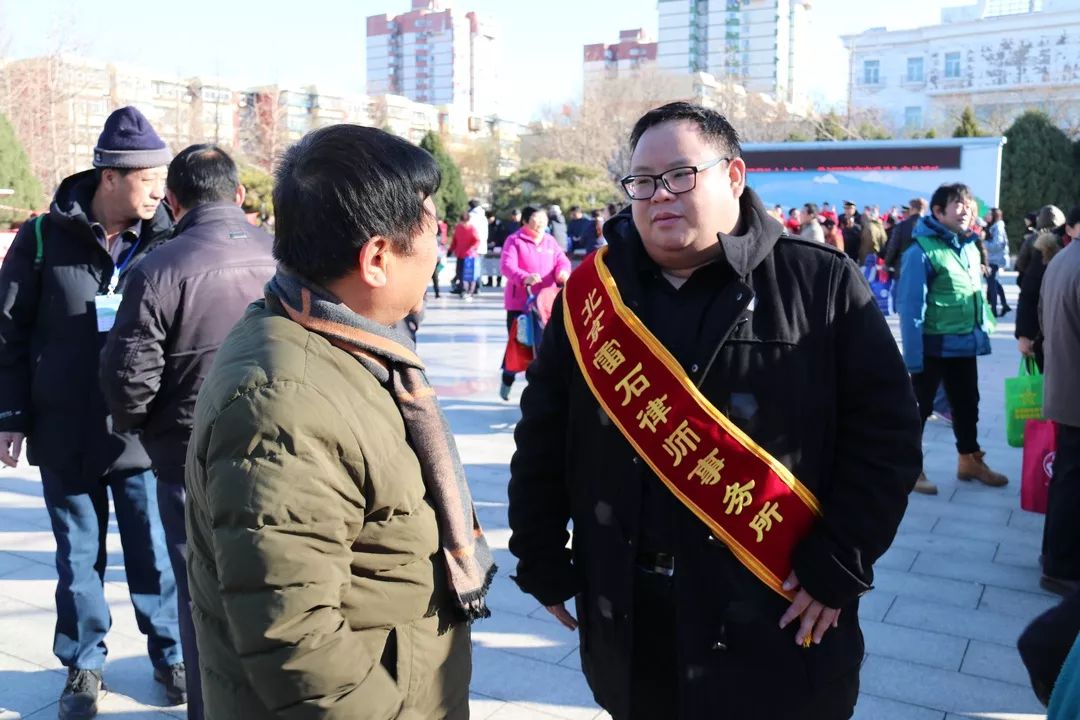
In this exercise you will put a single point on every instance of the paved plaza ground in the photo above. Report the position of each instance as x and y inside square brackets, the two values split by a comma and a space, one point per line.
[952, 595]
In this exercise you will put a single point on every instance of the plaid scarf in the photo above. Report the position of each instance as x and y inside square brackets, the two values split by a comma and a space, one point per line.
[389, 355]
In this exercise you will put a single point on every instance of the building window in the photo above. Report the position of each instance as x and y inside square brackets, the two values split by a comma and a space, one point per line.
[871, 72]
[915, 70]
[952, 65]
[913, 117]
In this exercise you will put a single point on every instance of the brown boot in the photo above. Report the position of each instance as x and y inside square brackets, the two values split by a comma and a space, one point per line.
[924, 486]
[974, 467]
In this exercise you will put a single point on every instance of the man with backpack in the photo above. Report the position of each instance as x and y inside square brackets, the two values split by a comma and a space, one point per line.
[61, 285]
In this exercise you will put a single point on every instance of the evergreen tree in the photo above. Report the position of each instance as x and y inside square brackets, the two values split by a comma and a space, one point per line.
[450, 200]
[259, 185]
[969, 126]
[1036, 169]
[553, 182]
[15, 174]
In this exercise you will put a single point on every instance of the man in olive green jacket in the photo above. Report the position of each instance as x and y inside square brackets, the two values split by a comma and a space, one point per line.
[334, 556]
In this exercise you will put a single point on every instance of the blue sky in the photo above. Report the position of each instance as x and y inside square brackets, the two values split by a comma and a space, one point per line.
[322, 41]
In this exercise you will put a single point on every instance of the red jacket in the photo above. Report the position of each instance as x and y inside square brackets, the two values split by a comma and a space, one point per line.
[466, 241]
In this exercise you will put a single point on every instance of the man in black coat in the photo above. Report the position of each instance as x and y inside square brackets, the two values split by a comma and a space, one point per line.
[901, 237]
[61, 283]
[784, 338]
[179, 304]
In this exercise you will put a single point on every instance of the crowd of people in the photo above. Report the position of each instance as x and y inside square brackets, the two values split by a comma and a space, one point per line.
[717, 407]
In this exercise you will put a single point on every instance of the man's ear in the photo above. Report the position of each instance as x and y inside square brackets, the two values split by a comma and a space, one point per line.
[170, 199]
[737, 175]
[372, 261]
[241, 195]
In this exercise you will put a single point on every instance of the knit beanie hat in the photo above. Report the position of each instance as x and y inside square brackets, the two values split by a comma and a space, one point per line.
[129, 141]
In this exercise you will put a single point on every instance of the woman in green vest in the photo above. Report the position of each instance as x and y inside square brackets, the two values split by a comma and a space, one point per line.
[945, 323]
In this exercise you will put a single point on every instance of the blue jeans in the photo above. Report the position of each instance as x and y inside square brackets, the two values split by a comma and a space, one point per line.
[995, 293]
[80, 522]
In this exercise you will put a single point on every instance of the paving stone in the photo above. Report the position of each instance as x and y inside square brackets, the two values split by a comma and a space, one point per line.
[914, 645]
[943, 689]
[959, 593]
[516, 679]
[957, 548]
[1024, 605]
[874, 604]
[936, 507]
[987, 573]
[973, 624]
[996, 662]
[27, 688]
[991, 532]
[545, 641]
[897, 558]
[871, 707]
[1023, 556]
[1027, 521]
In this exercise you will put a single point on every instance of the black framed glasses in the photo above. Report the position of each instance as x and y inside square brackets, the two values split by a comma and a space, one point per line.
[676, 180]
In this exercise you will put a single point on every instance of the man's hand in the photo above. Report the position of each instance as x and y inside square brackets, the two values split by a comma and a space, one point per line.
[562, 615]
[11, 447]
[1026, 346]
[816, 618]
[562, 277]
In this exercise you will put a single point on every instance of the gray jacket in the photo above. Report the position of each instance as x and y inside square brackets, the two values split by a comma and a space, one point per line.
[1059, 315]
[179, 304]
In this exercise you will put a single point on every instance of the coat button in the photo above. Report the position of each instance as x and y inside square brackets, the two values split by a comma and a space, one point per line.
[718, 646]
[694, 367]
[637, 461]
[711, 539]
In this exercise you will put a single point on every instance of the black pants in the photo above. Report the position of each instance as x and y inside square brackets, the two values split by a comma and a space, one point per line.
[961, 379]
[1046, 643]
[654, 682]
[511, 315]
[171, 495]
[1061, 534]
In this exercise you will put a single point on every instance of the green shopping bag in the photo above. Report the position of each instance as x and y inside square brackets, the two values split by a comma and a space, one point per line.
[1023, 400]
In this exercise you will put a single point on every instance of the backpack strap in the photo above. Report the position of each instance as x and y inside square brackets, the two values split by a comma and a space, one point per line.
[39, 253]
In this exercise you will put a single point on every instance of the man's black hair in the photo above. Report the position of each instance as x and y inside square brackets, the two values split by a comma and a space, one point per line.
[342, 185]
[947, 194]
[202, 174]
[811, 208]
[712, 125]
[1074, 215]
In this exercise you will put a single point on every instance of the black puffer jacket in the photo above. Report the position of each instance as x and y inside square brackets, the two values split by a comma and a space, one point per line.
[811, 372]
[49, 342]
[179, 304]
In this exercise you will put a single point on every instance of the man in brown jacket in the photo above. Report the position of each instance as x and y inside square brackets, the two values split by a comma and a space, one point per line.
[334, 554]
[179, 304]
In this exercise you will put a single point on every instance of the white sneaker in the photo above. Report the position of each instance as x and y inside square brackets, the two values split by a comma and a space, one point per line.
[6, 714]
[468, 298]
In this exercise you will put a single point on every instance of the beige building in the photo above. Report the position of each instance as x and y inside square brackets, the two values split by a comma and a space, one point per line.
[58, 106]
[1001, 57]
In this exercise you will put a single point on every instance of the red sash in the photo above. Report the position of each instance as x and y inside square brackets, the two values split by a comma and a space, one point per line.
[748, 499]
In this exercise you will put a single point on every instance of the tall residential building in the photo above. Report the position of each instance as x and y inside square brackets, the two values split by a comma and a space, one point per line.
[634, 52]
[436, 55]
[1001, 57]
[761, 44]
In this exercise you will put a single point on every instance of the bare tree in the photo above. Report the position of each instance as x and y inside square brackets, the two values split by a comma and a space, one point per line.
[39, 97]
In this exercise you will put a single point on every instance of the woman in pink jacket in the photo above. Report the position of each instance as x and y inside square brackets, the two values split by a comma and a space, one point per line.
[531, 261]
